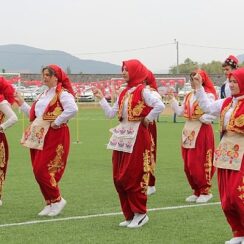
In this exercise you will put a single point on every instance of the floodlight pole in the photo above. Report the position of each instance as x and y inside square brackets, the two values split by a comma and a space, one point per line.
[177, 68]
[177, 56]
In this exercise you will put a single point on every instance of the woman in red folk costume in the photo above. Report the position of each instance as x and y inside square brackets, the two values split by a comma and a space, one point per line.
[152, 85]
[7, 119]
[197, 145]
[48, 135]
[229, 155]
[131, 141]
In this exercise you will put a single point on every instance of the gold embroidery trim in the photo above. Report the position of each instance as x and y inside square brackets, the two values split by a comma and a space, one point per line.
[197, 110]
[1, 117]
[146, 169]
[208, 165]
[240, 190]
[136, 111]
[153, 163]
[122, 105]
[56, 164]
[57, 110]
[239, 121]
[222, 115]
[2, 166]
[235, 121]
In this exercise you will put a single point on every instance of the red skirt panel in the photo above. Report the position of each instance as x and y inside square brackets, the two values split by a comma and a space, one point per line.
[198, 161]
[49, 164]
[4, 154]
[231, 190]
[153, 130]
[131, 174]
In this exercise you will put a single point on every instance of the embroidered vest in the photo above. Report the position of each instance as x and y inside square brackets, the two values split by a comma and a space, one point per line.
[193, 112]
[236, 122]
[53, 110]
[137, 108]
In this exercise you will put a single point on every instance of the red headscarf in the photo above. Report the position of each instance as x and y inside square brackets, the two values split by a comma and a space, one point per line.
[6, 91]
[63, 79]
[207, 83]
[151, 81]
[137, 72]
[238, 74]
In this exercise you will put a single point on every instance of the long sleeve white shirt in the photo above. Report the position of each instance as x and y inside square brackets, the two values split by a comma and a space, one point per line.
[150, 99]
[10, 116]
[67, 100]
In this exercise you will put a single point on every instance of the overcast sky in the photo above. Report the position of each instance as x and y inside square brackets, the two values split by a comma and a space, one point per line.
[114, 30]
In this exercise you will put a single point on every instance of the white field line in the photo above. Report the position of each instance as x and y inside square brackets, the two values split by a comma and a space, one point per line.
[102, 215]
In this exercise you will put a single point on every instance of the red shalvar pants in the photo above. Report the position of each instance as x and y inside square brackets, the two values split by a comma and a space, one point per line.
[4, 154]
[231, 190]
[49, 164]
[153, 130]
[198, 161]
[131, 174]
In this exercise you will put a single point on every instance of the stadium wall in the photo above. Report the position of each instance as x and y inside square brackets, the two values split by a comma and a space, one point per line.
[217, 79]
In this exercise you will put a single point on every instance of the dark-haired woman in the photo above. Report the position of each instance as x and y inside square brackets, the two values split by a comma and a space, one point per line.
[48, 135]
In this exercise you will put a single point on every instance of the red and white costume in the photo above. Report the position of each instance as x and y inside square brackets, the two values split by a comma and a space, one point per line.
[54, 105]
[229, 158]
[152, 85]
[131, 140]
[7, 119]
[197, 141]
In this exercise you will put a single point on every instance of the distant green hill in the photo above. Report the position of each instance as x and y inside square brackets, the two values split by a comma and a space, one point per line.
[25, 59]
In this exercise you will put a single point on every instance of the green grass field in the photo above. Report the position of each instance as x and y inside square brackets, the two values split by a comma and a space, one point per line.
[93, 213]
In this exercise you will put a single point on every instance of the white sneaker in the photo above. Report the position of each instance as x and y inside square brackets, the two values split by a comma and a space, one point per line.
[151, 190]
[204, 198]
[45, 211]
[1, 202]
[236, 240]
[191, 198]
[57, 207]
[138, 221]
[125, 223]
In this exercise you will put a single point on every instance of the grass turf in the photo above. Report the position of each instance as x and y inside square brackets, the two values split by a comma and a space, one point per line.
[88, 188]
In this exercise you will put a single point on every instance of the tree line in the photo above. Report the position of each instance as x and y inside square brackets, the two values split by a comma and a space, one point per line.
[215, 67]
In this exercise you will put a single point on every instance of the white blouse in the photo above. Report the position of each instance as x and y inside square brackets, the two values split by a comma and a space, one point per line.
[150, 99]
[10, 116]
[67, 100]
